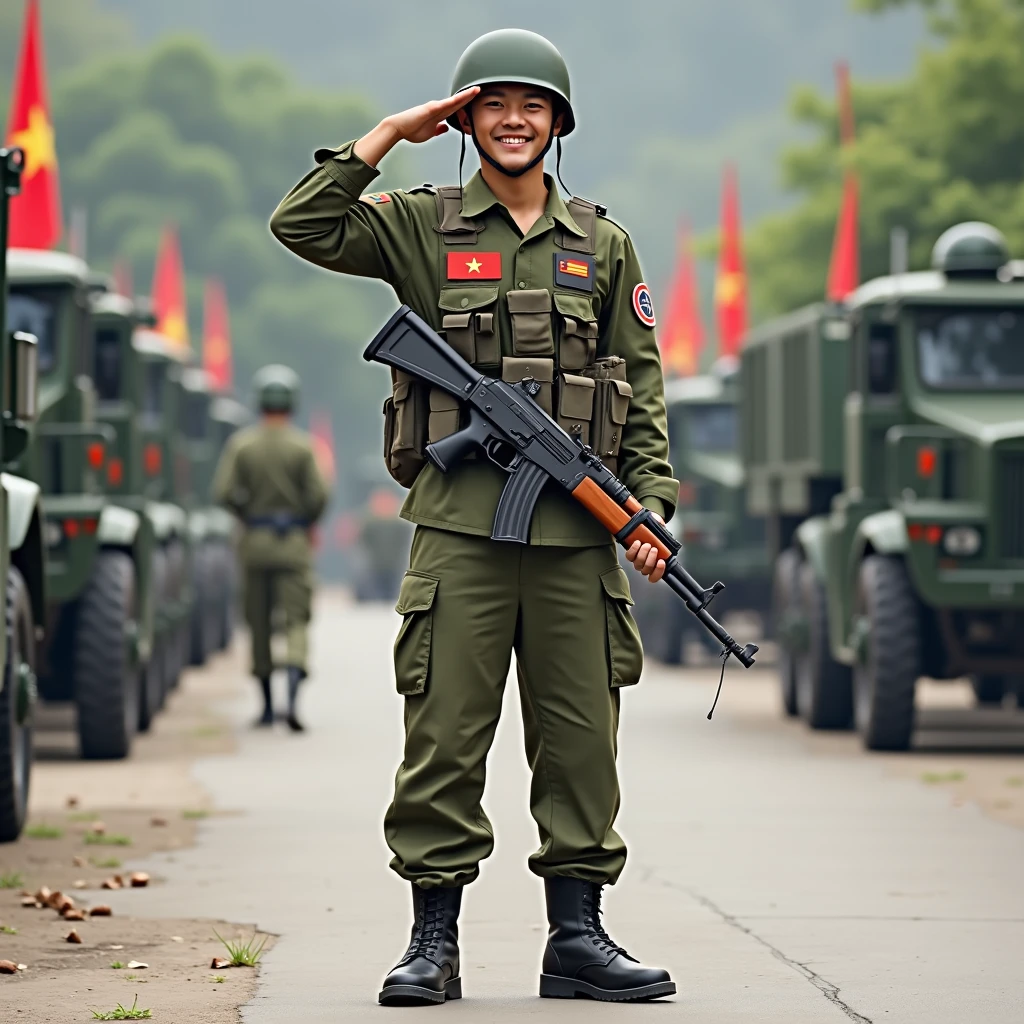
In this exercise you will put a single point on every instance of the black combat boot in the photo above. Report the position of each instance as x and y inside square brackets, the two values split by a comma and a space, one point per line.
[267, 718]
[295, 677]
[429, 971]
[580, 958]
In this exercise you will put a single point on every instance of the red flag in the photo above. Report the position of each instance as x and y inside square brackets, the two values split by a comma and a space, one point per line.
[322, 433]
[169, 290]
[123, 279]
[217, 335]
[35, 214]
[844, 270]
[731, 282]
[682, 337]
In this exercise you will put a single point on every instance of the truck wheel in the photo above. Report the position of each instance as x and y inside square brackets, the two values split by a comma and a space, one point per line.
[824, 689]
[989, 690]
[151, 688]
[199, 631]
[226, 610]
[175, 648]
[784, 604]
[886, 674]
[106, 680]
[17, 700]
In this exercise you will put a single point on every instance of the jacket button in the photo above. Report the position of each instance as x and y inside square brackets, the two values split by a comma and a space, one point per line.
[522, 284]
[465, 301]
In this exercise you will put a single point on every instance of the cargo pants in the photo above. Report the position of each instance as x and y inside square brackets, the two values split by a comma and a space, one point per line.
[278, 592]
[467, 603]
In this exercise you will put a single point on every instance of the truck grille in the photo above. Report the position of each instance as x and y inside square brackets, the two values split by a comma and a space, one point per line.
[1010, 481]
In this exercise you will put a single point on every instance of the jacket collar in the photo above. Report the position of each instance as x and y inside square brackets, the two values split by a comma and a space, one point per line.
[477, 198]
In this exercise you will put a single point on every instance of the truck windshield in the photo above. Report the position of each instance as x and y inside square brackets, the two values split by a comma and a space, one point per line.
[35, 310]
[712, 428]
[193, 419]
[971, 349]
[153, 392]
[107, 359]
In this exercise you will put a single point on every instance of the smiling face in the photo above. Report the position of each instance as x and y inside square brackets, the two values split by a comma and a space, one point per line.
[513, 123]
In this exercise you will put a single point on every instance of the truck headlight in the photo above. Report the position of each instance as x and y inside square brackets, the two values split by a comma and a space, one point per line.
[52, 533]
[961, 541]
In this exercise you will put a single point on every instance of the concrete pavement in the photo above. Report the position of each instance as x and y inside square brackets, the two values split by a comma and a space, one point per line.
[779, 878]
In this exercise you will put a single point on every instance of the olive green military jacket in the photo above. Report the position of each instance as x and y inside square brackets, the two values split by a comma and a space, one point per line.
[396, 236]
[269, 470]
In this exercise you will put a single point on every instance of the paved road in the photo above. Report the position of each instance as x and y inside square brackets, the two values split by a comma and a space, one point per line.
[780, 878]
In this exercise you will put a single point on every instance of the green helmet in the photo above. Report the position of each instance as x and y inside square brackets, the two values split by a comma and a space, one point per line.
[276, 388]
[514, 55]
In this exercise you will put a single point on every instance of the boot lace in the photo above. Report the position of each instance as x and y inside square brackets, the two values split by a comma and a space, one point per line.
[429, 926]
[592, 922]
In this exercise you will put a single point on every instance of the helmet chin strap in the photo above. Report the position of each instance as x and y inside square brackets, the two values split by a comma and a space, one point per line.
[484, 155]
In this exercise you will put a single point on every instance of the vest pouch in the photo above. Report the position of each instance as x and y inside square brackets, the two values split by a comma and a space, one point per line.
[576, 405]
[530, 311]
[469, 323]
[444, 415]
[611, 405]
[577, 331]
[405, 428]
[514, 370]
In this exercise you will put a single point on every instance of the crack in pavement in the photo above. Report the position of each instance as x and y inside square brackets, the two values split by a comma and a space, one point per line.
[826, 988]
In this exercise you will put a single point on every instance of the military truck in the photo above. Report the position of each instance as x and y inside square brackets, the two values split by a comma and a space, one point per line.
[884, 444]
[91, 654]
[130, 367]
[22, 555]
[720, 540]
[211, 528]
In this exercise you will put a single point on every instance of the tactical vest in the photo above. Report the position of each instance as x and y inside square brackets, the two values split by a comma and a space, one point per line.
[554, 341]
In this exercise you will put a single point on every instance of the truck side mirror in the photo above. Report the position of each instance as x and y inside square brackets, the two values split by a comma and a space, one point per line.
[21, 397]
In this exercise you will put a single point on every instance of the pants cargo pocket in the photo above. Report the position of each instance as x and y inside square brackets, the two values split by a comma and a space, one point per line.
[625, 651]
[412, 646]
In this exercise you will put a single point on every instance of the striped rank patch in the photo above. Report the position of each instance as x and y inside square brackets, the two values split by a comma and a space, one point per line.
[574, 271]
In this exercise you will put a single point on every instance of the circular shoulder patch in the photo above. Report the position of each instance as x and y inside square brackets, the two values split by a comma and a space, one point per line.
[643, 305]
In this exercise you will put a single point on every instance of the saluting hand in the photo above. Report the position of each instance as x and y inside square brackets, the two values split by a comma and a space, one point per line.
[417, 124]
[645, 558]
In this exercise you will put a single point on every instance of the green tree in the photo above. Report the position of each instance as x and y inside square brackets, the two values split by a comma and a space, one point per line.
[179, 134]
[946, 145]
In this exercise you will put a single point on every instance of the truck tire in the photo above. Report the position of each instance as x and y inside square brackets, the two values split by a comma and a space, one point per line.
[16, 708]
[106, 680]
[989, 690]
[824, 687]
[784, 603]
[886, 678]
[178, 632]
[199, 630]
[151, 687]
[222, 632]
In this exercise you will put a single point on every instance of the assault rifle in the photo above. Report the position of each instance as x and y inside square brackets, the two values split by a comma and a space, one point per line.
[521, 438]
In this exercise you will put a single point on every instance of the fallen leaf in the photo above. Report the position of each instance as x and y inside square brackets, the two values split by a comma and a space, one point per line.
[111, 883]
[80, 883]
[158, 822]
[22, 967]
[75, 915]
[137, 965]
[177, 938]
[30, 901]
[218, 965]
[101, 911]
[72, 802]
[73, 937]
[43, 895]
[139, 880]
[115, 947]
[8, 967]
[54, 899]
[66, 903]
[98, 828]
[79, 862]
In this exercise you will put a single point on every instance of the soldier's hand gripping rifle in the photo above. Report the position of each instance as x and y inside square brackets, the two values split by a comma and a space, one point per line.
[518, 436]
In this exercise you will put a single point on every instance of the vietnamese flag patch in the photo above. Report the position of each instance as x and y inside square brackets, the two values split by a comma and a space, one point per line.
[474, 266]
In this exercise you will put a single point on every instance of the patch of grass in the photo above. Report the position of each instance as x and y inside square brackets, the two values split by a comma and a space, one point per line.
[105, 862]
[122, 1013]
[107, 839]
[44, 831]
[11, 880]
[1013, 780]
[934, 778]
[194, 815]
[218, 979]
[6, 929]
[243, 954]
[79, 816]
[206, 732]
[118, 966]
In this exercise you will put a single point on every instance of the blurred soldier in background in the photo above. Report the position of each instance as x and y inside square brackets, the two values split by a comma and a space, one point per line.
[384, 541]
[268, 476]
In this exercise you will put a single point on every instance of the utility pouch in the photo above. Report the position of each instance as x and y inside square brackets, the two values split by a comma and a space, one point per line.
[514, 370]
[444, 415]
[612, 393]
[576, 405]
[530, 312]
[405, 428]
[469, 323]
[577, 330]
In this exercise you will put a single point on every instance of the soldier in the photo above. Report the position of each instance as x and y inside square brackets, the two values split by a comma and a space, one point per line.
[524, 284]
[269, 478]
